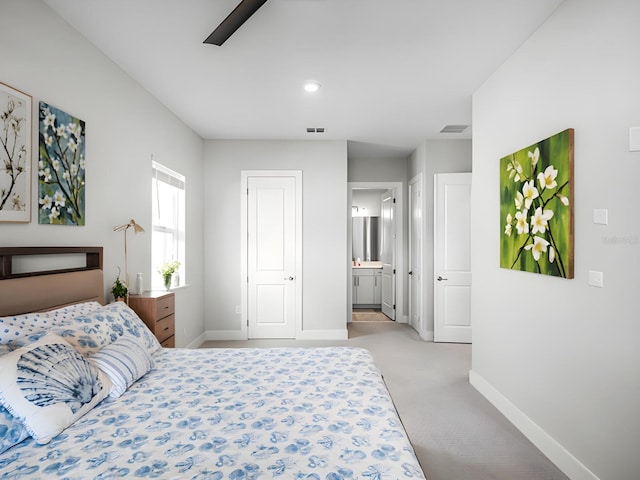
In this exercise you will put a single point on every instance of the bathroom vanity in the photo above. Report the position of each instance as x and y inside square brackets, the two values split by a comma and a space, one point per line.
[367, 284]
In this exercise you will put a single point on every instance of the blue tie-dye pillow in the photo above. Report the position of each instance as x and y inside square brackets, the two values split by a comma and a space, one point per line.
[91, 332]
[12, 431]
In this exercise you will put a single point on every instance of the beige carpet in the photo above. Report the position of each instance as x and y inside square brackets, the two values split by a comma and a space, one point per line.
[456, 433]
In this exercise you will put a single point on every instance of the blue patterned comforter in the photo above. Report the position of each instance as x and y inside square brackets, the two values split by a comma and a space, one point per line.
[238, 414]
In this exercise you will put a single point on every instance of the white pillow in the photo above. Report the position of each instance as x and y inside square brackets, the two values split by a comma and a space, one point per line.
[124, 362]
[20, 329]
[39, 385]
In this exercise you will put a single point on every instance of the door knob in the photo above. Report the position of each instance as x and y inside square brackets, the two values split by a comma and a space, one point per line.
[288, 278]
[441, 278]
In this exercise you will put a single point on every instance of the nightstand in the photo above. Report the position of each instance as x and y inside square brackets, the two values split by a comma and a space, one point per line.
[157, 311]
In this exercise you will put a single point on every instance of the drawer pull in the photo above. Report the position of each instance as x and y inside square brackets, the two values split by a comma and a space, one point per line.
[166, 328]
[166, 307]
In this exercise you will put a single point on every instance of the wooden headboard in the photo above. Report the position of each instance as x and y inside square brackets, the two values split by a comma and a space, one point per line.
[39, 290]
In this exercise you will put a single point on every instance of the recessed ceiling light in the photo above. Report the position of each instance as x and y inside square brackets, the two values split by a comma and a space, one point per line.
[311, 86]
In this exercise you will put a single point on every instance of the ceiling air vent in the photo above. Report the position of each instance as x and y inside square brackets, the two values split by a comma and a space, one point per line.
[315, 129]
[454, 128]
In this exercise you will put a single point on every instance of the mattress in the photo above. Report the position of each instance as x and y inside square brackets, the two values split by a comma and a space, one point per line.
[294, 413]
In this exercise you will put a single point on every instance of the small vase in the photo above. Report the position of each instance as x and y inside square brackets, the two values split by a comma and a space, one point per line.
[139, 287]
[167, 281]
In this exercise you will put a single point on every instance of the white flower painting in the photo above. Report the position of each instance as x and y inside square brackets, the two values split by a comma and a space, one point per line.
[536, 207]
[15, 155]
[61, 176]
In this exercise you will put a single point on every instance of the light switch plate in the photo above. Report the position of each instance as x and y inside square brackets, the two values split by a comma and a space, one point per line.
[596, 279]
[634, 139]
[601, 216]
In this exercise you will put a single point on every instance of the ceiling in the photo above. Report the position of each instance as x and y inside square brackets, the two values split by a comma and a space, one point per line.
[393, 72]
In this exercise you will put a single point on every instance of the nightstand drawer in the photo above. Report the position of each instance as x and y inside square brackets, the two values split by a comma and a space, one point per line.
[169, 342]
[165, 328]
[165, 306]
[157, 311]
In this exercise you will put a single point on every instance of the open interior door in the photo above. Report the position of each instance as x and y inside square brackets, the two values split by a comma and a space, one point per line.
[388, 255]
[415, 254]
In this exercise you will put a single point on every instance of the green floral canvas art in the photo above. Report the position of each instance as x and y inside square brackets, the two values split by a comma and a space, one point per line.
[536, 207]
[61, 184]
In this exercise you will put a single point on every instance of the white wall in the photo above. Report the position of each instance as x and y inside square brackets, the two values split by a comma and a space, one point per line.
[44, 57]
[561, 358]
[324, 248]
[377, 170]
[431, 157]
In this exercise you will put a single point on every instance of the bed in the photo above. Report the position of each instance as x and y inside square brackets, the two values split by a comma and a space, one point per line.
[86, 392]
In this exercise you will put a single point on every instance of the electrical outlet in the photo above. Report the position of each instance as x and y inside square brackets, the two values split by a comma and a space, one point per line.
[238, 310]
[634, 139]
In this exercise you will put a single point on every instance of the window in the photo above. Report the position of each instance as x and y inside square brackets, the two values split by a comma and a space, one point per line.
[168, 238]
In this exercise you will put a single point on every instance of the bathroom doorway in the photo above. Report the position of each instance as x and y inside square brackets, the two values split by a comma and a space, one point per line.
[375, 254]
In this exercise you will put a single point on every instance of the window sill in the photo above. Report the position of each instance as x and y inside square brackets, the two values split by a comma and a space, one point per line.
[172, 289]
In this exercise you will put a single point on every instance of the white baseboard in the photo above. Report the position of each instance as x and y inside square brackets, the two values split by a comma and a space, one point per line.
[225, 335]
[427, 335]
[560, 456]
[196, 342]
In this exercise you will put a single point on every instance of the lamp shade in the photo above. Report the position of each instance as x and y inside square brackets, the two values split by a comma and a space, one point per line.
[132, 223]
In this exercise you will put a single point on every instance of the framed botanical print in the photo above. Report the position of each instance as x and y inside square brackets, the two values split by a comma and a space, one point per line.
[15, 155]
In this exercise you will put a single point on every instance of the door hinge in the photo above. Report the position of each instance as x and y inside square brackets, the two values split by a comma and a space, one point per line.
[394, 200]
[394, 271]
[394, 306]
[247, 191]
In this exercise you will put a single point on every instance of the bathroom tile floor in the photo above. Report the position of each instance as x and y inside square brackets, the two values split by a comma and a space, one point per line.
[368, 315]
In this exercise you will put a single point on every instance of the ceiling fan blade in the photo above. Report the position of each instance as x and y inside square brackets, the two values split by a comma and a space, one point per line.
[236, 18]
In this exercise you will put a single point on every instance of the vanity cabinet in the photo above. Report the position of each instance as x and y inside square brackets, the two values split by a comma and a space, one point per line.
[377, 288]
[367, 286]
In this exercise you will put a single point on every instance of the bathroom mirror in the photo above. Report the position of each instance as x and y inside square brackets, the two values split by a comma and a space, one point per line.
[366, 238]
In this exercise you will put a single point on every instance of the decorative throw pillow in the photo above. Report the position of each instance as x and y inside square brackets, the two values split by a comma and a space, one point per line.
[48, 385]
[23, 329]
[91, 332]
[12, 431]
[132, 325]
[124, 362]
